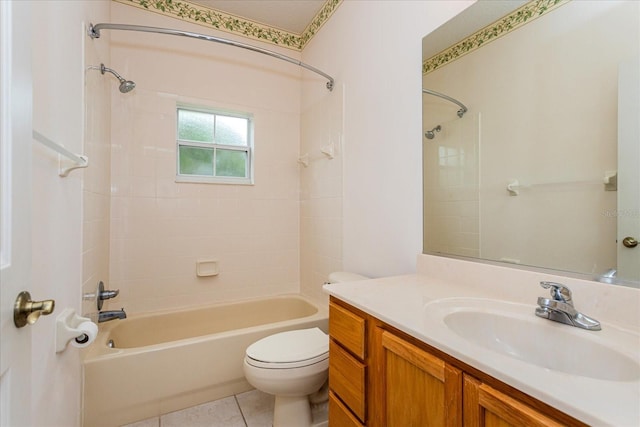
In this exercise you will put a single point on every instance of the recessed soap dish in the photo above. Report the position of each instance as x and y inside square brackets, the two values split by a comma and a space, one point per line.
[207, 267]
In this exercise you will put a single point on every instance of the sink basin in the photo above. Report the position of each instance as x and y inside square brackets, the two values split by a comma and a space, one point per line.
[513, 330]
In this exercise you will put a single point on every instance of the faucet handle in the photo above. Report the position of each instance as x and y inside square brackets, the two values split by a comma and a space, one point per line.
[559, 292]
[108, 294]
[104, 294]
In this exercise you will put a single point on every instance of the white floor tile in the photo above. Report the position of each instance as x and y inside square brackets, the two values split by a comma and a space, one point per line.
[220, 413]
[257, 408]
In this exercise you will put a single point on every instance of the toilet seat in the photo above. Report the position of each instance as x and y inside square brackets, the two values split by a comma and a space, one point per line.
[291, 349]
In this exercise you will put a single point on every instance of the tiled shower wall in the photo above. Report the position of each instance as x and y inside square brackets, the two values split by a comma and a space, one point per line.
[321, 191]
[160, 228]
[96, 183]
[451, 181]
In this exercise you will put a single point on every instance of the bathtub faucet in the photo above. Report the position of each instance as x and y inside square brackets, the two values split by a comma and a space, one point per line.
[105, 316]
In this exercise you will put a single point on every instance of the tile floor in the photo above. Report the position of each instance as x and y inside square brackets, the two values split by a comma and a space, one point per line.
[250, 409]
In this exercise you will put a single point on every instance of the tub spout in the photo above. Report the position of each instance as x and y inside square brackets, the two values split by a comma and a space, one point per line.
[105, 316]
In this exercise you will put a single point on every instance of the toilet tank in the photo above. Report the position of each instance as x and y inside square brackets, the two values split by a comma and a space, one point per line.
[344, 276]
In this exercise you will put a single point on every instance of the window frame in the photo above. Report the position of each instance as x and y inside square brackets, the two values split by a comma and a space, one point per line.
[213, 179]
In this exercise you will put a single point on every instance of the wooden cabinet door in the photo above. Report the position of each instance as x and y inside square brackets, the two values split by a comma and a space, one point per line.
[420, 390]
[485, 406]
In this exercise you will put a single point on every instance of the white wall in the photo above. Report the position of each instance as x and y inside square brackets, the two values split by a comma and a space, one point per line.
[57, 217]
[373, 48]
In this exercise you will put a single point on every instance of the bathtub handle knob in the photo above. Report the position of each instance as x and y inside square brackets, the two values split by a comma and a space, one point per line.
[104, 294]
[109, 294]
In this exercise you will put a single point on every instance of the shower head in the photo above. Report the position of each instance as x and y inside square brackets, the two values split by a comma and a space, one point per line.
[430, 134]
[125, 85]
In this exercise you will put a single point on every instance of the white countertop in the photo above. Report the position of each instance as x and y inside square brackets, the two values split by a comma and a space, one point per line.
[399, 301]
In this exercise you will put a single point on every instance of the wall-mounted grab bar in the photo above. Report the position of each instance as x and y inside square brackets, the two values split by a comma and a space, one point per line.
[463, 109]
[79, 160]
[514, 186]
[94, 32]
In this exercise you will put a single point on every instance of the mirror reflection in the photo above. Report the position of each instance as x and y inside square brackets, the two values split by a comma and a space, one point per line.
[542, 170]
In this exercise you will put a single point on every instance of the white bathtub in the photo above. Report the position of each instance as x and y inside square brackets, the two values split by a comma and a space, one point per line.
[163, 362]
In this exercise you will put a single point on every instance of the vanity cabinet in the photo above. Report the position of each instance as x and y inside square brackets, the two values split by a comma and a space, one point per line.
[382, 377]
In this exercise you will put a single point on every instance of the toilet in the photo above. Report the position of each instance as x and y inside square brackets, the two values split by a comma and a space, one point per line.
[292, 365]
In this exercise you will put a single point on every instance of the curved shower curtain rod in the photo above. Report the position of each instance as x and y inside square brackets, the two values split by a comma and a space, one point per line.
[94, 32]
[463, 109]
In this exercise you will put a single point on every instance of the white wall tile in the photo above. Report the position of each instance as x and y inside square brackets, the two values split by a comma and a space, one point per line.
[160, 227]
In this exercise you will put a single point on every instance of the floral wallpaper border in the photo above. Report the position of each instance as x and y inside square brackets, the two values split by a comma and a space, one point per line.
[526, 13]
[213, 18]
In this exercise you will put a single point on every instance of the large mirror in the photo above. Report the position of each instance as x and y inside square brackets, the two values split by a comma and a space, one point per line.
[531, 136]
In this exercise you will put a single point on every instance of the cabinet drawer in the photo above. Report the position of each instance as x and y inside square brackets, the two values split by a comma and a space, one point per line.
[347, 379]
[348, 329]
[339, 415]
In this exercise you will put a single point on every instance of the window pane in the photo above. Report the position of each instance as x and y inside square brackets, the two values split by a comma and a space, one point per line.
[231, 163]
[195, 126]
[196, 161]
[231, 130]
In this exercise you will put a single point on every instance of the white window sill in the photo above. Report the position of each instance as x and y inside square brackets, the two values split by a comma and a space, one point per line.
[213, 180]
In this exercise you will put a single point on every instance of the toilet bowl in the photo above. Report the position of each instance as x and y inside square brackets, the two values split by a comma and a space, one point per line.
[292, 366]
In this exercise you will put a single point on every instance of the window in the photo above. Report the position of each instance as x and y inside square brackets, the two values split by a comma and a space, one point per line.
[214, 146]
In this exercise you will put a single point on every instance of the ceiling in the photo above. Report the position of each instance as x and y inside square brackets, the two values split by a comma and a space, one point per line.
[290, 15]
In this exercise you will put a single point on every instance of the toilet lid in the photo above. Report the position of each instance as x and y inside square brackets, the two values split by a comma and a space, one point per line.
[291, 346]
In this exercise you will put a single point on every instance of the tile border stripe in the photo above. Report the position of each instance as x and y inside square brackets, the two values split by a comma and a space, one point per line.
[521, 16]
[218, 20]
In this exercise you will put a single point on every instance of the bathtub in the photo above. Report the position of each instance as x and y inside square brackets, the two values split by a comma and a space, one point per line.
[163, 362]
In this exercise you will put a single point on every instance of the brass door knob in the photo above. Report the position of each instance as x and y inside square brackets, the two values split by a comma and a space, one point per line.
[26, 311]
[630, 242]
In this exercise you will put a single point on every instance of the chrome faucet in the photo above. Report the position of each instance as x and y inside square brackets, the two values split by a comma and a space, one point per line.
[559, 308]
[105, 316]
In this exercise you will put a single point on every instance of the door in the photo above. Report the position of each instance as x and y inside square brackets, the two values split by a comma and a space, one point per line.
[628, 173]
[15, 199]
